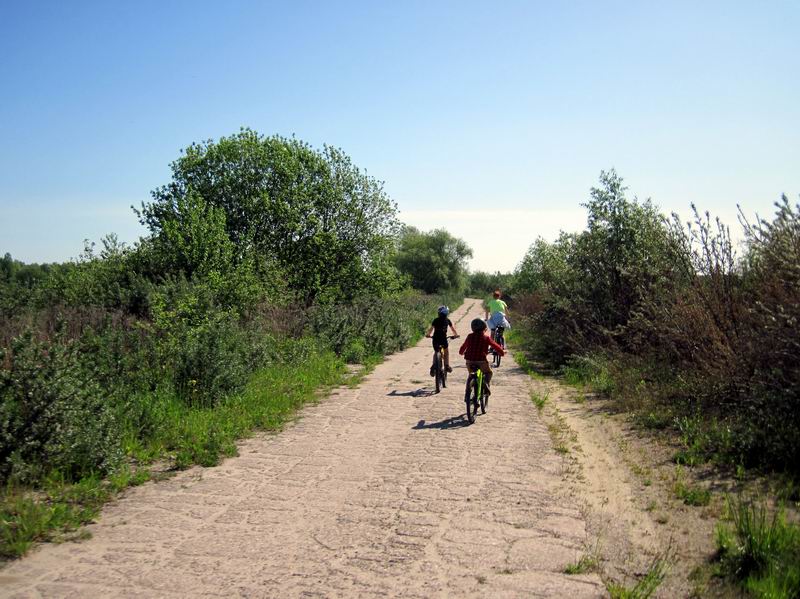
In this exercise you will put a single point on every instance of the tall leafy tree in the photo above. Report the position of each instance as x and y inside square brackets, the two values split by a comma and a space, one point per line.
[434, 261]
[327, 223]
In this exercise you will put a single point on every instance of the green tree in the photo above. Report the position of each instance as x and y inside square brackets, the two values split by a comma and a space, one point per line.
[327, 223]
[544, 265]
[434, 261]
[483, 283]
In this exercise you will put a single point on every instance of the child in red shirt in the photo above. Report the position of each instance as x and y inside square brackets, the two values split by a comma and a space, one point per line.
[476, 347]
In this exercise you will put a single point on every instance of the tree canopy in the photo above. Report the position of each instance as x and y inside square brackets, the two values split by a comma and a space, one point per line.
[329, 226]
[434, 261]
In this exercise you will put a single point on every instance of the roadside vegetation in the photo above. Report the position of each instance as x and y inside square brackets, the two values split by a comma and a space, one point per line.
[690, 339]
[268, 266]
[666, 319]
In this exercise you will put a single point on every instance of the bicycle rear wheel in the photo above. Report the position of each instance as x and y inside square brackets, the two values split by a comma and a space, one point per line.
[437, 365]
[482, 398]
[497, 337]
[469, 397]
[444, 373]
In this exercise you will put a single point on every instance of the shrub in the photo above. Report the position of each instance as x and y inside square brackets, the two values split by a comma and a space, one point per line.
[679, 323]
[52, 416]
[203, 349]
[376, 326]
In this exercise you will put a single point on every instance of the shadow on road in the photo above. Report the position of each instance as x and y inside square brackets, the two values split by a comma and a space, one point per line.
[454, 422]
[421, 392]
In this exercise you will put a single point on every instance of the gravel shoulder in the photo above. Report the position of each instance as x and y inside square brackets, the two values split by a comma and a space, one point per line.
[625, 480]
[381, 490]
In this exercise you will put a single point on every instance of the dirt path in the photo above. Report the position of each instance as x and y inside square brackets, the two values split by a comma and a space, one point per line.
[377, 491]
[627, 478]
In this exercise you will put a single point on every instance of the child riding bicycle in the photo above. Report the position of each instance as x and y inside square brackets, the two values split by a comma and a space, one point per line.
[439, 329]
[476, 347]
[496, 311]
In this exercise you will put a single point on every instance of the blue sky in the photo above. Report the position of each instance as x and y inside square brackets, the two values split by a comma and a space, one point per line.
[491, 119]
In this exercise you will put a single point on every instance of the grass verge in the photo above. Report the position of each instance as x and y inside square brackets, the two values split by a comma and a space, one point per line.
[55, 512]
[186, 435]
[759, 551]
[645, 586]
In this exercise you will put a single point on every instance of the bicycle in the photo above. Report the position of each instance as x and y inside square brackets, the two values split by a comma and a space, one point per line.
[475, 394]
[440, 374]
[499, 338]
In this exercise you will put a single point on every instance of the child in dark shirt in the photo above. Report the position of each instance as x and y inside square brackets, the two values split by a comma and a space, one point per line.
[476, 347]
[439, 329]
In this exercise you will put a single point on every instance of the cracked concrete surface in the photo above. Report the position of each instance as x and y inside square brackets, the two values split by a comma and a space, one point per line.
[377, 491]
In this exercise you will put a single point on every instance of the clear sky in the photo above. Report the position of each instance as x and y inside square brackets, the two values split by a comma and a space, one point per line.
[492, 119]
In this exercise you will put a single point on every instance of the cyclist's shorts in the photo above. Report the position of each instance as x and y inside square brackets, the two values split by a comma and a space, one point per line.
[498, 319]
[473, 365]
[439, 342]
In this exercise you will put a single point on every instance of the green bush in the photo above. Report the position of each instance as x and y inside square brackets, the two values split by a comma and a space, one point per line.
[204, 349]
[52, 416]
[377, 326]
[678, 323]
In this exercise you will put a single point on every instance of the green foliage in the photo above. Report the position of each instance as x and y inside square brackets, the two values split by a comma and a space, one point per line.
[544, 266]
[586, 288]
[200, 434]
[646, 586]
[435, 262]
[52, 416]
[539, 399]
[203, 349]
[694, 496]
[328, 225]
[760, 552]
[587, 563]
[673, 325]
[59, 509]
[111, 278]
[376, 325]
[26, 520]
[482, 284]
[591, 372]
[20, 282]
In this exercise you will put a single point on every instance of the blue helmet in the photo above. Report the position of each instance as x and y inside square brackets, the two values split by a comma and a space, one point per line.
[444, 310]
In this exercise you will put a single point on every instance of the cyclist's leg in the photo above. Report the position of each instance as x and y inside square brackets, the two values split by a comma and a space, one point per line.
[447, 359]
[433, 360]
[487, 373]
[472, 366]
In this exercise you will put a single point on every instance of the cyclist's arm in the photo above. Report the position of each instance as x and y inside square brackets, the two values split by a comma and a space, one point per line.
[498, 348]
[430, 330]
[452, 328]
[463, 347]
